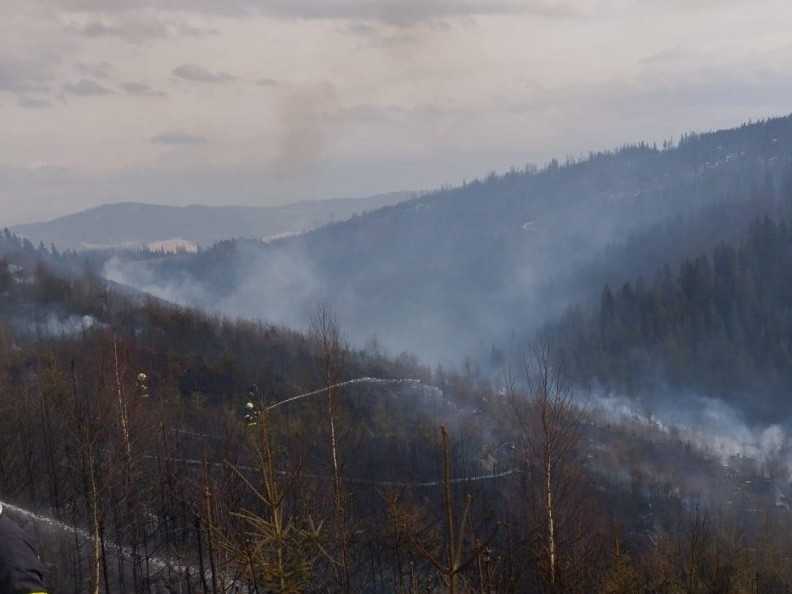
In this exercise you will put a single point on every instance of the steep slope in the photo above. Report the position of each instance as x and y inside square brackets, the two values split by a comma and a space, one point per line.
[50, 302]
[719, 325]
[450, 272]
[135, 225]
[150, 402]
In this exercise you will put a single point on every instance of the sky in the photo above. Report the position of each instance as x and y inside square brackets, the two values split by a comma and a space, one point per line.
[265, 102]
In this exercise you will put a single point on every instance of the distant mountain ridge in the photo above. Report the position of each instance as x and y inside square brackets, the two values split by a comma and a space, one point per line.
[140, 225]
[458, 270]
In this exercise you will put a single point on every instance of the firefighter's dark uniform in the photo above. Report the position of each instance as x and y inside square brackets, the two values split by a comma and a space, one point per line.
[21, 570]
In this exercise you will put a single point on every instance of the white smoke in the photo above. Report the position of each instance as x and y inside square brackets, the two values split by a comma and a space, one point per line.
[54, 325]
[140, 275]
[709, 424]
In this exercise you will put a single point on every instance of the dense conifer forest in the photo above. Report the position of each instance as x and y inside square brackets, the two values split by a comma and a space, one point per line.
[159, 463]
[717, 324]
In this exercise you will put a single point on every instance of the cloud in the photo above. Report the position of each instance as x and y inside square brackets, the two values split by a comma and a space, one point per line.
[178, 138]
[267, 82]
[24, 75]
[387, 39]
[666, 56]
[189, 30]
[140, 90]
[196, 73]
[99, 70]
[131, 30]
[368, 113]
[409, 12]
[403, 12]
[33, 102]
[135, 28]
[86, 88]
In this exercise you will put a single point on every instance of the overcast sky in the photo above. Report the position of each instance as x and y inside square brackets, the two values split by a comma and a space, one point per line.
[270, 101]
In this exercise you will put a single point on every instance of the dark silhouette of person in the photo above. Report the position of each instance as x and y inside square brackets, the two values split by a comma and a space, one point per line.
[21, 569]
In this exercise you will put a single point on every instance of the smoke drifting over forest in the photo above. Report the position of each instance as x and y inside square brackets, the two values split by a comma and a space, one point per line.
[706, 423]
[456, 272]
[566, 378]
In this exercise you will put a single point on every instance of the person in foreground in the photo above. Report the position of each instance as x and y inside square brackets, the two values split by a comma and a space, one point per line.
[21, 570]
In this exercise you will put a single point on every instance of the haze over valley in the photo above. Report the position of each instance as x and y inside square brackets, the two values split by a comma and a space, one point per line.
[539, 343]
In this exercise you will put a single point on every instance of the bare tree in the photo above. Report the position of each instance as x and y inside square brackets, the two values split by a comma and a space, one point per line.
[87, 419]
[549, 434]
[458, 548]
[325, 333]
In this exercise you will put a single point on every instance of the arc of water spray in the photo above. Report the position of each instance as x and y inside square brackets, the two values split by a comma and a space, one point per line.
[357, 481]
[160, 564]
[360, 380]
[85, 535]
[164, 564]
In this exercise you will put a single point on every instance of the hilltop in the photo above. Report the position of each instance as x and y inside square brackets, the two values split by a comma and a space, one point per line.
[455, 271]
[135, 225]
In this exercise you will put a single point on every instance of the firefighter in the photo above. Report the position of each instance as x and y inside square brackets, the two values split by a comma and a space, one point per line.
[21, 570]
[251, 412]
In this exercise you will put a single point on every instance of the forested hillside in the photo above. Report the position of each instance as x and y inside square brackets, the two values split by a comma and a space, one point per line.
[457, 270]
[158, 449]
[718, 324]
[47, 297]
